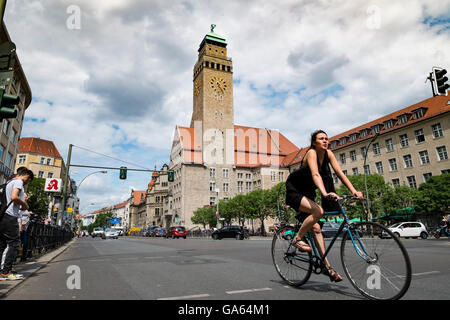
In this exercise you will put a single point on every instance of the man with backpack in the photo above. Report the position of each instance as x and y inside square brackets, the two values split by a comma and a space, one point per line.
[9, 225]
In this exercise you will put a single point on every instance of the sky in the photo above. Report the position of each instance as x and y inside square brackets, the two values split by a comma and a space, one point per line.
[115, 76]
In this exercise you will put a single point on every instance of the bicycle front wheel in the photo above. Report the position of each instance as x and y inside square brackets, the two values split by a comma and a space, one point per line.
[375, 261]
[293, 266]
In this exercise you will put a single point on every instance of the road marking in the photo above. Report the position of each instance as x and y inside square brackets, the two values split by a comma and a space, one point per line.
[424, 273]
[97, 260]
[153, 257]
[186, 297]
[127, 258]
[248, 290]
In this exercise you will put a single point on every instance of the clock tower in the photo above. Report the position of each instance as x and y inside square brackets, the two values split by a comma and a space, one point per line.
[213, 85]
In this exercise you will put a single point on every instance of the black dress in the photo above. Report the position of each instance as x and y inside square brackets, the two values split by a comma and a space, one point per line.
[300, 184]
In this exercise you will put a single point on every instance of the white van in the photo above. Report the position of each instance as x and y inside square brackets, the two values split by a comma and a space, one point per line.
[409, 230]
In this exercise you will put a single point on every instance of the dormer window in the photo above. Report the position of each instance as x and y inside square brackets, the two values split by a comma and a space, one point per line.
[376, 128]
[364, 133]
[403, 119]
[353, 137]
[333, 144]
[343, 141]
[388, 124]
[419, 113]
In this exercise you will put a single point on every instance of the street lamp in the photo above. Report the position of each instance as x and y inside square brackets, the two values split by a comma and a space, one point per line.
[369, 214]
[78, 189]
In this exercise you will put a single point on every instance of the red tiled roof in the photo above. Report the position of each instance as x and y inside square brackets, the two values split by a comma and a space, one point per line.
[253, 147]
[431, 107]
[137, 196]
[37, 145]
[120, 205]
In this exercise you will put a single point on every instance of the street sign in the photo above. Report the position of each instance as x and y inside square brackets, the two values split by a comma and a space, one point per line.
[53, 185]
[115, 221]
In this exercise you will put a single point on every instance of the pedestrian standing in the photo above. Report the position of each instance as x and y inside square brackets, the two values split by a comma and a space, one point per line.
[9, 228]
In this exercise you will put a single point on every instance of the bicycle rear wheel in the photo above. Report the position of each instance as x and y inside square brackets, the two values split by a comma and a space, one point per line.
[378, 268]
[293, 266]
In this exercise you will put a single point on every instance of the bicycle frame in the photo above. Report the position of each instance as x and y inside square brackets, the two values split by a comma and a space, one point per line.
[355, 239]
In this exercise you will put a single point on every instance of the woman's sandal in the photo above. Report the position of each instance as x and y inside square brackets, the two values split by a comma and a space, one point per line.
[301, 246]
[332, 274]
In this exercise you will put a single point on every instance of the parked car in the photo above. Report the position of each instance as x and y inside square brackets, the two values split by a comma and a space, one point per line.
[330, 229]
[237, 232]
[97, 232]
[407, 230]
[150, 232]
[120, 230]
[160, 232]
[110, 233]
[176, 232]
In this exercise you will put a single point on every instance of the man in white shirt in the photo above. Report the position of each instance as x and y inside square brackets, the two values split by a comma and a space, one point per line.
[9, 225]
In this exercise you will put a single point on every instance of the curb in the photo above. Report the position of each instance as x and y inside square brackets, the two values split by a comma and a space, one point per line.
[29, 268]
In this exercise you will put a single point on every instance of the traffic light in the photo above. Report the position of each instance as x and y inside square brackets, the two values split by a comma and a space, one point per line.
[123, 173]
[170, 175]
[439, 83]
[8, 104]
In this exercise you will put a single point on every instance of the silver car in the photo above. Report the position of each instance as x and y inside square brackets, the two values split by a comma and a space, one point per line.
[110, 233]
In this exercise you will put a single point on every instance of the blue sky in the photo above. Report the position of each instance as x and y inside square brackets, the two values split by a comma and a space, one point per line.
[115, 76]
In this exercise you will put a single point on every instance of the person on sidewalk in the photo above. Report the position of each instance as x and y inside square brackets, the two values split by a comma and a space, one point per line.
[9, 225]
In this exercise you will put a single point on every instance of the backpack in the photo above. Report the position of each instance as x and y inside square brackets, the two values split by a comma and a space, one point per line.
[3, 201]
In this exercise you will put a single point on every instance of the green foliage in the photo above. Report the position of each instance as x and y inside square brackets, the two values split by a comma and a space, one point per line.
[38, 199]
[434, 194]
[101, 220]
[205, 216]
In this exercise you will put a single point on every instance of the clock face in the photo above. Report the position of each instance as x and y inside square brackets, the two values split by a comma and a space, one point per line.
[219, 86]
[197, 87]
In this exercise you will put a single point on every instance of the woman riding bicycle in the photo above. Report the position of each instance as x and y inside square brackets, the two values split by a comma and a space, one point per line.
[314, 173]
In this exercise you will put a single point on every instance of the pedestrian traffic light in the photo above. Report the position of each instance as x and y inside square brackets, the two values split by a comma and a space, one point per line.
[440, 81]
[8, 104]
[123, 173]
[170, 175]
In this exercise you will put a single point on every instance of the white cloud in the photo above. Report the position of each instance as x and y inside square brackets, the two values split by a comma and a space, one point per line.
[130, 65]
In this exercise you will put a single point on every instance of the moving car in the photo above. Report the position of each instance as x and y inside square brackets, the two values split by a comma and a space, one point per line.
[236, 232]
[98, 232]
[408, 230]
[330, 229]
[110, 233]
[176, 232]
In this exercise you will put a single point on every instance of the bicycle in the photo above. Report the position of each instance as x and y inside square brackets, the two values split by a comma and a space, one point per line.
[379, 269]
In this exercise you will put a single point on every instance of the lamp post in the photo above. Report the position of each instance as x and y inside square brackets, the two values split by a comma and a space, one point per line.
[78, 189]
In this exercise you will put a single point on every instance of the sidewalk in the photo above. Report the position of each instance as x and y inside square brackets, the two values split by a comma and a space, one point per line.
[30, 267]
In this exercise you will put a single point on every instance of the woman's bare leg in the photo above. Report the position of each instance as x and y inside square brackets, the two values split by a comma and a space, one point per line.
[315, 211]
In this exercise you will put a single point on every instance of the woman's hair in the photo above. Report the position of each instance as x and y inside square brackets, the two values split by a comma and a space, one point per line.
[314, 136]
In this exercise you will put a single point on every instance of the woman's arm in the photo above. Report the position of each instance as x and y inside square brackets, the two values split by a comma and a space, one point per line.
[337, 169]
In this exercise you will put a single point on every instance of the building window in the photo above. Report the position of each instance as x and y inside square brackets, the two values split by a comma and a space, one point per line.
[248, 176]
[420, 136]
[367, 169]
[364, 133]
[418, 114]
[445, 171]
[225, 187]
[353, 155]
[342, 155]
[2, 150]
[412, 181]
[393, 164]
[212, 186]
[49, 161]
[22, 159]
[225, 173]
[50, 174]
[353, 137]
[388, 124]
[280, 176]
[355, 171]
[248, 186]
[423, 155]
[396, 183]
[379, 166]
[240, 175]
[376, 148]
[344, 172]
[403, 119]
[42, 160]
[212, 172]
[335, 178]
[240, 185]
[212, 201]
[427, 176]
[40, 174]
[389, 145]
[272, 176]
[6, 127]
[13, 136]
[8, 159]
[408, 161]
[437, 130]
[442, 153]
[404, 140]
[363, 152]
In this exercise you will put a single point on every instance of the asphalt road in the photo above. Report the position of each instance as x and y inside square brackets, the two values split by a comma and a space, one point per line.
[173, 269]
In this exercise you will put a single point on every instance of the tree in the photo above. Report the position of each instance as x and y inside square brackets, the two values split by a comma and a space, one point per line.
[205, 216]
[434, 194]
[398, 198]
[101, 220]
[37, 198]
[262, 204]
